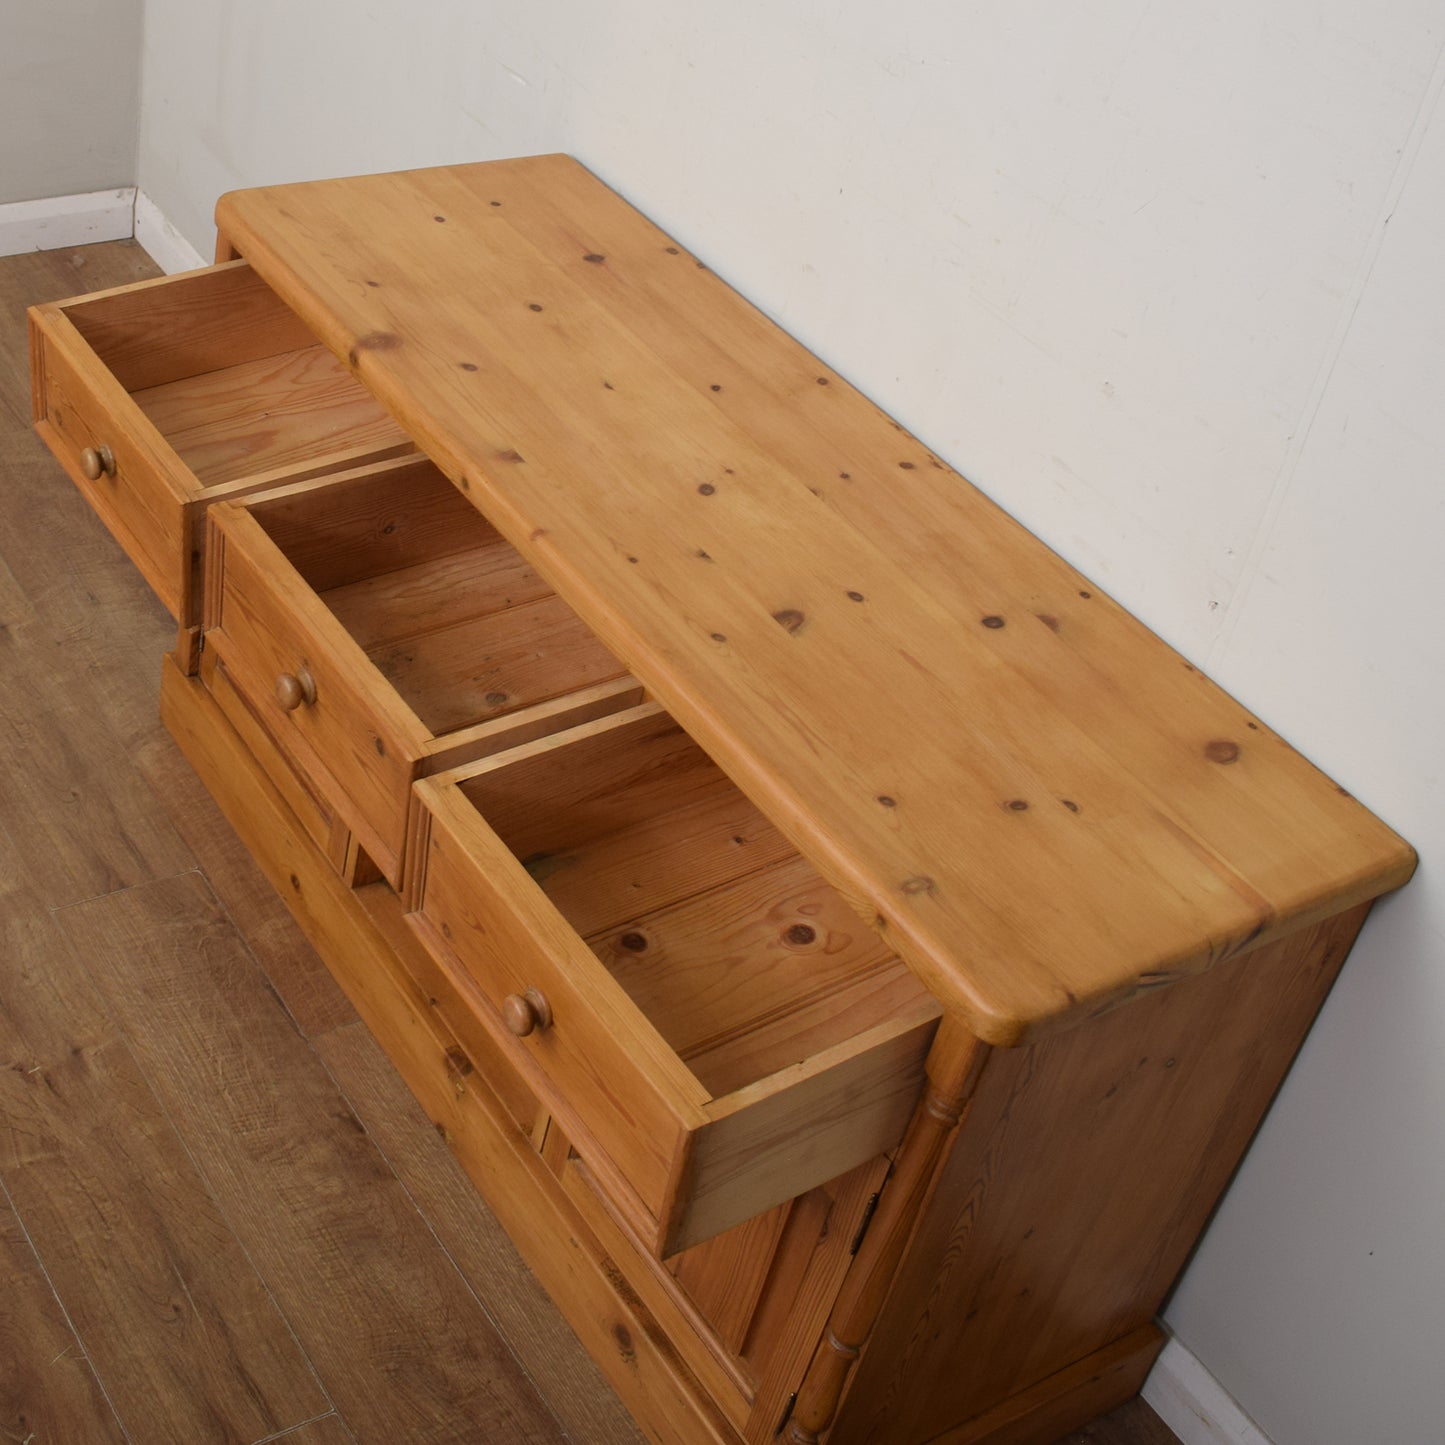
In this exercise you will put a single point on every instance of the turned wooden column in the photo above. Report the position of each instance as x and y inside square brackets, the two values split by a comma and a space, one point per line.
[954, 1066]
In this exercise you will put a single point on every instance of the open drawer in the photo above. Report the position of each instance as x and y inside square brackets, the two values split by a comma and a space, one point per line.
[714, 1026]
[381, 629]
[161, 397]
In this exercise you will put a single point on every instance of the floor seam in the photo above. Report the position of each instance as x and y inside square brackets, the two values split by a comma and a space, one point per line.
[301, 1425]
[202, 1174]
[65, 1313]
[426, 1220]
[55, 908]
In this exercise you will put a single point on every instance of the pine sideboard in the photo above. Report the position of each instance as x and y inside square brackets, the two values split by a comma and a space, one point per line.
[849, 952]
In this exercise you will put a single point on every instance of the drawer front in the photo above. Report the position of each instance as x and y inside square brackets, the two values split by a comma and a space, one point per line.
[312, 813]
[593, 1062]
[747, 1307]
[346, 730]
[141, 496]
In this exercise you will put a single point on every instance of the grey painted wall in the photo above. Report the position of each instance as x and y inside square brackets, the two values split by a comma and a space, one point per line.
[69, 96]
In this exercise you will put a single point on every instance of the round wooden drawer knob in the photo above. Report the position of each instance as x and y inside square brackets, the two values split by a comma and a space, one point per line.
[295, 688]
[96, 462]
[525, 1012]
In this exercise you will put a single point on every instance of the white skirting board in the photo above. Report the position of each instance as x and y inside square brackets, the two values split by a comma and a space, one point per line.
[1194, 1405]
[162, 242]
[60, 221]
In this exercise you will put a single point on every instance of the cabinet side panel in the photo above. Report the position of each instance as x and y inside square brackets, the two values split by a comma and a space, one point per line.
[1085, 1172]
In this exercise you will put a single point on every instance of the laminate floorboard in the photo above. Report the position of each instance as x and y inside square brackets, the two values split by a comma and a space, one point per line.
[329, 1430]
[52, 276]
[162, 1297]
[81, 589]
[302, 982]
[1133, 1423]
[48, 1390]
[355, 1267]
[466, 1227]
[222, 1217]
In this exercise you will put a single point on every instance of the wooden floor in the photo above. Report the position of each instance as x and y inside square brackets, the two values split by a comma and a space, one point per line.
[222, 1217]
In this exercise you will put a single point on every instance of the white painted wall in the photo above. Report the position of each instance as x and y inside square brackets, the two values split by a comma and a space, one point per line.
[69, 87]
[1166, 280]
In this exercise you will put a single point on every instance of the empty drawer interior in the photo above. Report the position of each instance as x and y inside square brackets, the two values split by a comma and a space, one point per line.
[229, 376]
[738, 953]
[453, 617]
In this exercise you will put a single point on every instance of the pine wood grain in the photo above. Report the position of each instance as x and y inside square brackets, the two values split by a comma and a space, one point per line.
[1049, 1255]
[74, 600]
[369, 522]
[144, 494]
[570, 395]
[725, 1276]
[262, 415]
[264, 1119]
[494, 665]
[495, 938]
[48, 1390]
[1087, 1387]
[195, 384]
[437, 593]
[71, 572]
[713, 969]
[746, 972]
[571, 789]
[658, 861]
[74, 608]
[727, 1383]
[361, 740]
[154, 332]
[310, 803]
[954, 1066]
[357, 741]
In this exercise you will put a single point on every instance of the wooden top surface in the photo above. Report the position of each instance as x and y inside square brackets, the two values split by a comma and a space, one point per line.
[1043, 807]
